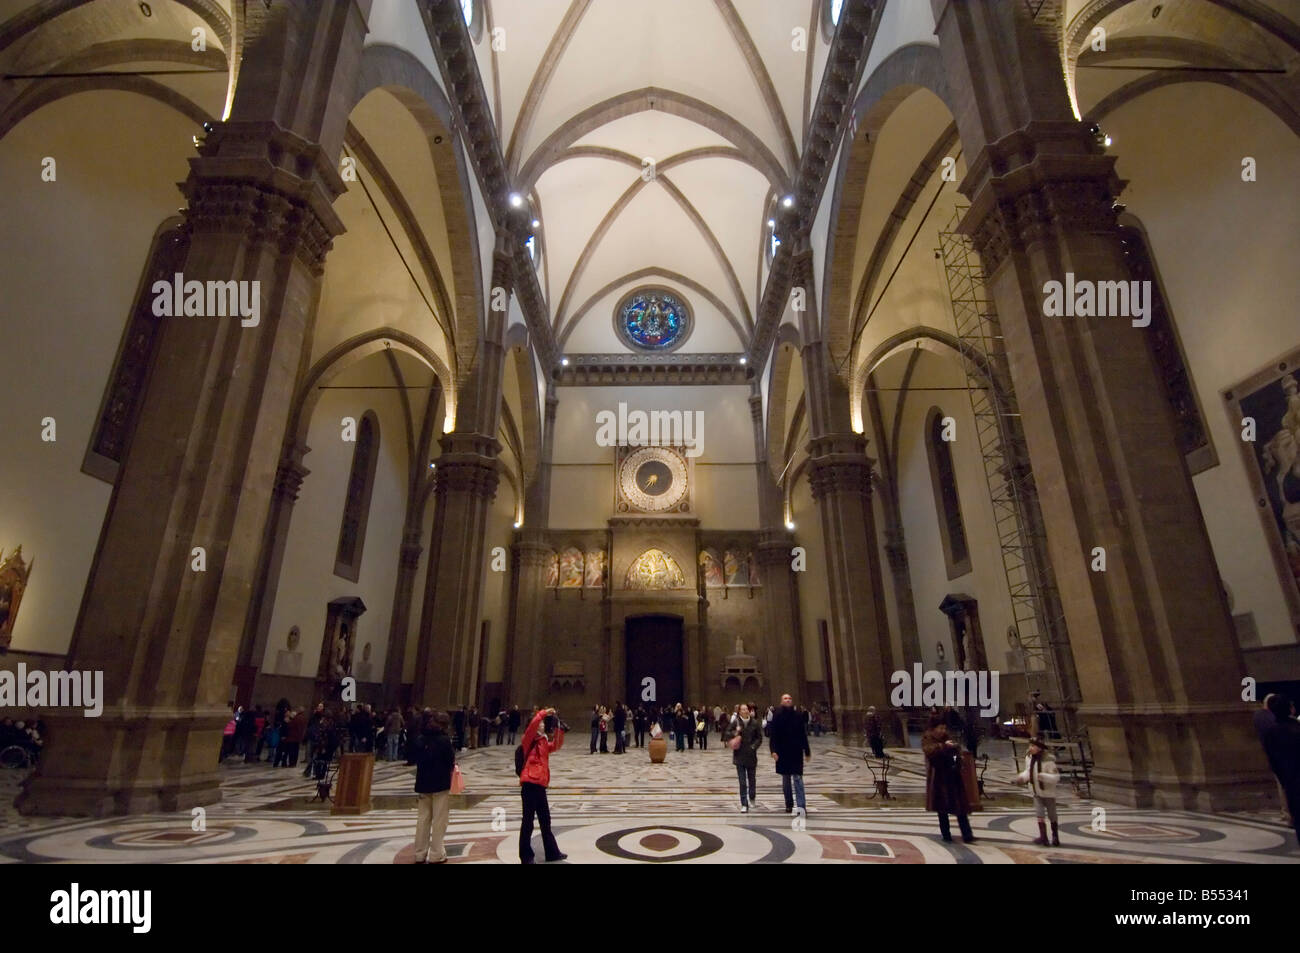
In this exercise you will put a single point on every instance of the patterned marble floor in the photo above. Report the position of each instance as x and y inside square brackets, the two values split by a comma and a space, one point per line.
[622, 809]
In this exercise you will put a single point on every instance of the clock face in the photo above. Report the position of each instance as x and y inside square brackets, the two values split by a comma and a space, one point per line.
[653, 479]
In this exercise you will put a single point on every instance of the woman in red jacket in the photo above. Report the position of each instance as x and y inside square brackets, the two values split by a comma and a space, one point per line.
[533, 779]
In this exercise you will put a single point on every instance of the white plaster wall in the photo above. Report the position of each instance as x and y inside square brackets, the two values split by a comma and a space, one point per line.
[71, 256]
[307, 580]
[1226, 251]
[582, 482]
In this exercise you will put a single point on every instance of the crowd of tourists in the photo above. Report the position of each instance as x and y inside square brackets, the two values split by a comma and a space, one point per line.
[688, 726]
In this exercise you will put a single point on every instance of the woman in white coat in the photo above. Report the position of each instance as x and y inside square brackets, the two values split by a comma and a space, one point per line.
[1041, 775]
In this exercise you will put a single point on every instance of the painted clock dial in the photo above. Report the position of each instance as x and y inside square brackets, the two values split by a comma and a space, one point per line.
[653, 479]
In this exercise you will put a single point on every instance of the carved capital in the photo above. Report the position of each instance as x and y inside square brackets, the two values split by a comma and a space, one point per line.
[1041, 180]
[267, 186]
[838, 464]
[288, 479]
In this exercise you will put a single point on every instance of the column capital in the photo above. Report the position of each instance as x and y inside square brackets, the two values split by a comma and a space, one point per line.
[1044, 178]
[289, 475]
[838, 463]
[468, 464]
[259, 181]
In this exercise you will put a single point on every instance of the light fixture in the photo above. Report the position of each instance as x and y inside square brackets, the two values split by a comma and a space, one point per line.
[743, 359]
[432, 465]
[771, 223]
[564, 362]
[516, 200]
[789, 524]
[787, 201]
[1107, 141]
[536, 224]
[518, 523]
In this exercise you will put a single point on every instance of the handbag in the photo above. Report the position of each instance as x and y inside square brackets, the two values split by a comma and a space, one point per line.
[734, 743]
[457, 780]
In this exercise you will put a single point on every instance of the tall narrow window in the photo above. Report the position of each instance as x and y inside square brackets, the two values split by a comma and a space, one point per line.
[1167, 353]
[943, 477]
[356, 504]
[125, 390]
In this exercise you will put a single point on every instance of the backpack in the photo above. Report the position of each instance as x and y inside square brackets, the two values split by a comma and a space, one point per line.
[521, 759]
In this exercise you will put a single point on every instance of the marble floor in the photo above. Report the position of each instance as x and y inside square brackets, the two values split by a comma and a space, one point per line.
[613, 809]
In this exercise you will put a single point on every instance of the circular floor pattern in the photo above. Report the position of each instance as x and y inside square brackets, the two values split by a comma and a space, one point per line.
[657, 845]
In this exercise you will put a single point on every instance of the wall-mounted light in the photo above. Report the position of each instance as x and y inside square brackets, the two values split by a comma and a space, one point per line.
[537, 223]
[564, 362]
[787, 202]
[744, 360]
[518, 523]
[516, 200]
[789, 524]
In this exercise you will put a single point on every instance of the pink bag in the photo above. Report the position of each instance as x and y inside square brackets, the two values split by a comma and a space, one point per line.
[457, 781]
[734, 743]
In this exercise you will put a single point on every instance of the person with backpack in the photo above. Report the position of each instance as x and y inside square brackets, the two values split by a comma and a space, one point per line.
[434, 763]
[533, 765]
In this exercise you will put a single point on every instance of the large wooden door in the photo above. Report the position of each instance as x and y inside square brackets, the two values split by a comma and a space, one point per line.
[654, 650]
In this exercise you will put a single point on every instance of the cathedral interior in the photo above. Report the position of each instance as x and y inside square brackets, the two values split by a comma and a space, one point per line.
[492, 353]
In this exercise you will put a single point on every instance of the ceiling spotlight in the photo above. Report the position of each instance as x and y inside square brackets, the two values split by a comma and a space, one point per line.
[516, 200]
[787, 202]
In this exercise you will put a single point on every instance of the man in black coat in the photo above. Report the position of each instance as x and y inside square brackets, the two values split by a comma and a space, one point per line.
[789, 744]
[434, 761]
[514, 722]
[1282, 748]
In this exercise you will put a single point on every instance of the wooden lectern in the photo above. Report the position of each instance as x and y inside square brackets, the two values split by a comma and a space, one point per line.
[352, 795]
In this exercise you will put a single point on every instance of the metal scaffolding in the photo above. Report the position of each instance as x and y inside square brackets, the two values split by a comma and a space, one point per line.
[1040, 631]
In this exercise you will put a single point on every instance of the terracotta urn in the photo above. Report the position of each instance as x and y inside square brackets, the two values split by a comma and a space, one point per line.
[658, 750]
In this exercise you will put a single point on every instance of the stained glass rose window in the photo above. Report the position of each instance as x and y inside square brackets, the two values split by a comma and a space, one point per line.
[653, 319]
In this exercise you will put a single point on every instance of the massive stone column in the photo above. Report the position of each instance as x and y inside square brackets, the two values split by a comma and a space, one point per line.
[468, 472]
[529, 565]
[160, 620]
[252, 649]
[840, 476]
[782, 647]
[1158, 666]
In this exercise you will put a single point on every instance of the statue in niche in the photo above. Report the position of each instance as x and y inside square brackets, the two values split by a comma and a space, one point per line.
[740, 646]
[341, 656]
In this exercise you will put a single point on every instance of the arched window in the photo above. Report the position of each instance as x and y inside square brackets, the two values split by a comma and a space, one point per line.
[943, 478]
[356, 504]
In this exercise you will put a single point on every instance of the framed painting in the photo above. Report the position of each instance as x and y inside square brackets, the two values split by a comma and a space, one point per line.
[1269, 402]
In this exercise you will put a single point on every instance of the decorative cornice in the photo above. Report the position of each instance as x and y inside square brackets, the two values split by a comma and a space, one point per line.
[843, 73]
[454, 50]
[660, 522]
[620, 369]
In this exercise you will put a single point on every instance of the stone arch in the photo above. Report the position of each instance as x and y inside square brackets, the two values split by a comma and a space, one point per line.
[349, 352]
[912, 67]
[398, 72]
[643, 100]
[50, 91]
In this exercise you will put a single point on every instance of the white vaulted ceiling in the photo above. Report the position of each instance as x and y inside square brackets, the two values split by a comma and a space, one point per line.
[713, 91]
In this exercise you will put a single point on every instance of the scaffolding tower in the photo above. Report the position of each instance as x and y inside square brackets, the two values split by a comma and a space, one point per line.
[1040, 634]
